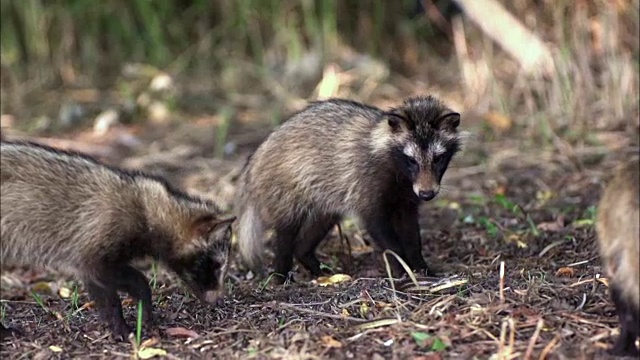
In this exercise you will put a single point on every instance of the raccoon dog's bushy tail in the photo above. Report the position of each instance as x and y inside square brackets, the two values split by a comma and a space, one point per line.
[250, 234]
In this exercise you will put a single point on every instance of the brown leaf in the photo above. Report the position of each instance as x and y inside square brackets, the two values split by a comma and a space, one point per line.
[127, 302]
[556, 225]
[182, 332]
[432, 356]
[150, 342]
[498, 122]
[329, 341]
[88, 305]
[565, 272]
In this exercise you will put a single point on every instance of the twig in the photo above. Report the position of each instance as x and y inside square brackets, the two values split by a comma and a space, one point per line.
[502, 282]
[319, 313]
[549, 347]
[534, 338]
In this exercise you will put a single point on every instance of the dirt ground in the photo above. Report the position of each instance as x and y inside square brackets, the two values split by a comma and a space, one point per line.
[503, 205]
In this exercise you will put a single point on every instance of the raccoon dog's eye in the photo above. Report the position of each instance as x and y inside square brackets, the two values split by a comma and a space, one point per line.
[412, 162]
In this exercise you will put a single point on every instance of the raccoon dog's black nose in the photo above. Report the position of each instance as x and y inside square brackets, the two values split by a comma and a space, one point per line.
[427, 195]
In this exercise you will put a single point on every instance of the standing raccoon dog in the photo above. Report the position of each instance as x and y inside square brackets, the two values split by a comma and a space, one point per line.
[68, 212]
[618, 228]
[337, 158]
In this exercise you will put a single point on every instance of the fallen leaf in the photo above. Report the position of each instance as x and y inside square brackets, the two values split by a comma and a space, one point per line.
[128, 301]
[517, 239]
[438, 345]
[500, 190]
[57, 315]
[64, 292]
[361, 249]
[148, 353]
[88, 305]
[330, 342]
[182, 332]
[333, 279]
[432, 356]
[345, 312]
[554, 226]
[565, 272]
[498, 122]
[150, 342]
[42, 287]
[420, 337]
[364, 309]
[603, 280]
[544, 196]
[55, 348]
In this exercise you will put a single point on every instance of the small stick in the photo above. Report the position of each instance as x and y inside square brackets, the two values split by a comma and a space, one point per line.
[534, 338]
[503, 335]
[502, 282]
[319, 313]
[548, 348]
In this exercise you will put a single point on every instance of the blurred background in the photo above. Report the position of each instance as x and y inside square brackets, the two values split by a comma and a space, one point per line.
[548, 90]
[212, 78]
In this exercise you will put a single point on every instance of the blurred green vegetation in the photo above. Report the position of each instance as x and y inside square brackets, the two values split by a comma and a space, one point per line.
[96, 37]
[242, 46]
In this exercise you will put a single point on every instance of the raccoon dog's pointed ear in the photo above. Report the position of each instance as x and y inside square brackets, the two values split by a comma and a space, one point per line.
[204, 225]
[395, 120]
[450, 120]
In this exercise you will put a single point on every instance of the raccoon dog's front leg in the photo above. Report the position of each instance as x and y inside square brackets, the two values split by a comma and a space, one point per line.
[405, 222]
[6, 332]
[379, 227]
[625, 345]
[103, 290]
[135, 284]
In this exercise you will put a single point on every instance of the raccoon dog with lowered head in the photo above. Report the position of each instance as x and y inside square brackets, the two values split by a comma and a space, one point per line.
[337, 158]
[618, 228]
[68, 212]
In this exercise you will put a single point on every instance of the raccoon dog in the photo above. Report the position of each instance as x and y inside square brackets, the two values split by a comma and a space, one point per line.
[337, 158]
[68, 212]
[618, 228]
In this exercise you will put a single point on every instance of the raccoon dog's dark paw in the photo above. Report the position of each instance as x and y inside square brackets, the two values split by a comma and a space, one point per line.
[120, 332]
[7, 332]
[624, 348]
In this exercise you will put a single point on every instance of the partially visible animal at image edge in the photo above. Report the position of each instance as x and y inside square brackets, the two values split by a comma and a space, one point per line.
[68, 212]
[339, 158]
[618, 230]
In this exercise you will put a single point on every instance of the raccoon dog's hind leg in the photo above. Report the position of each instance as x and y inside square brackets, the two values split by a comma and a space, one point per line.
[250, 237]
[313, 231]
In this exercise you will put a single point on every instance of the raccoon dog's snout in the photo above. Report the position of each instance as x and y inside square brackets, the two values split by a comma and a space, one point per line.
[426, 190]
[427, 195]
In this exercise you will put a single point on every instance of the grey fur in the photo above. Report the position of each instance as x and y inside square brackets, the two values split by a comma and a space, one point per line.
[618, 228]
[68, 212]
[337, 158]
